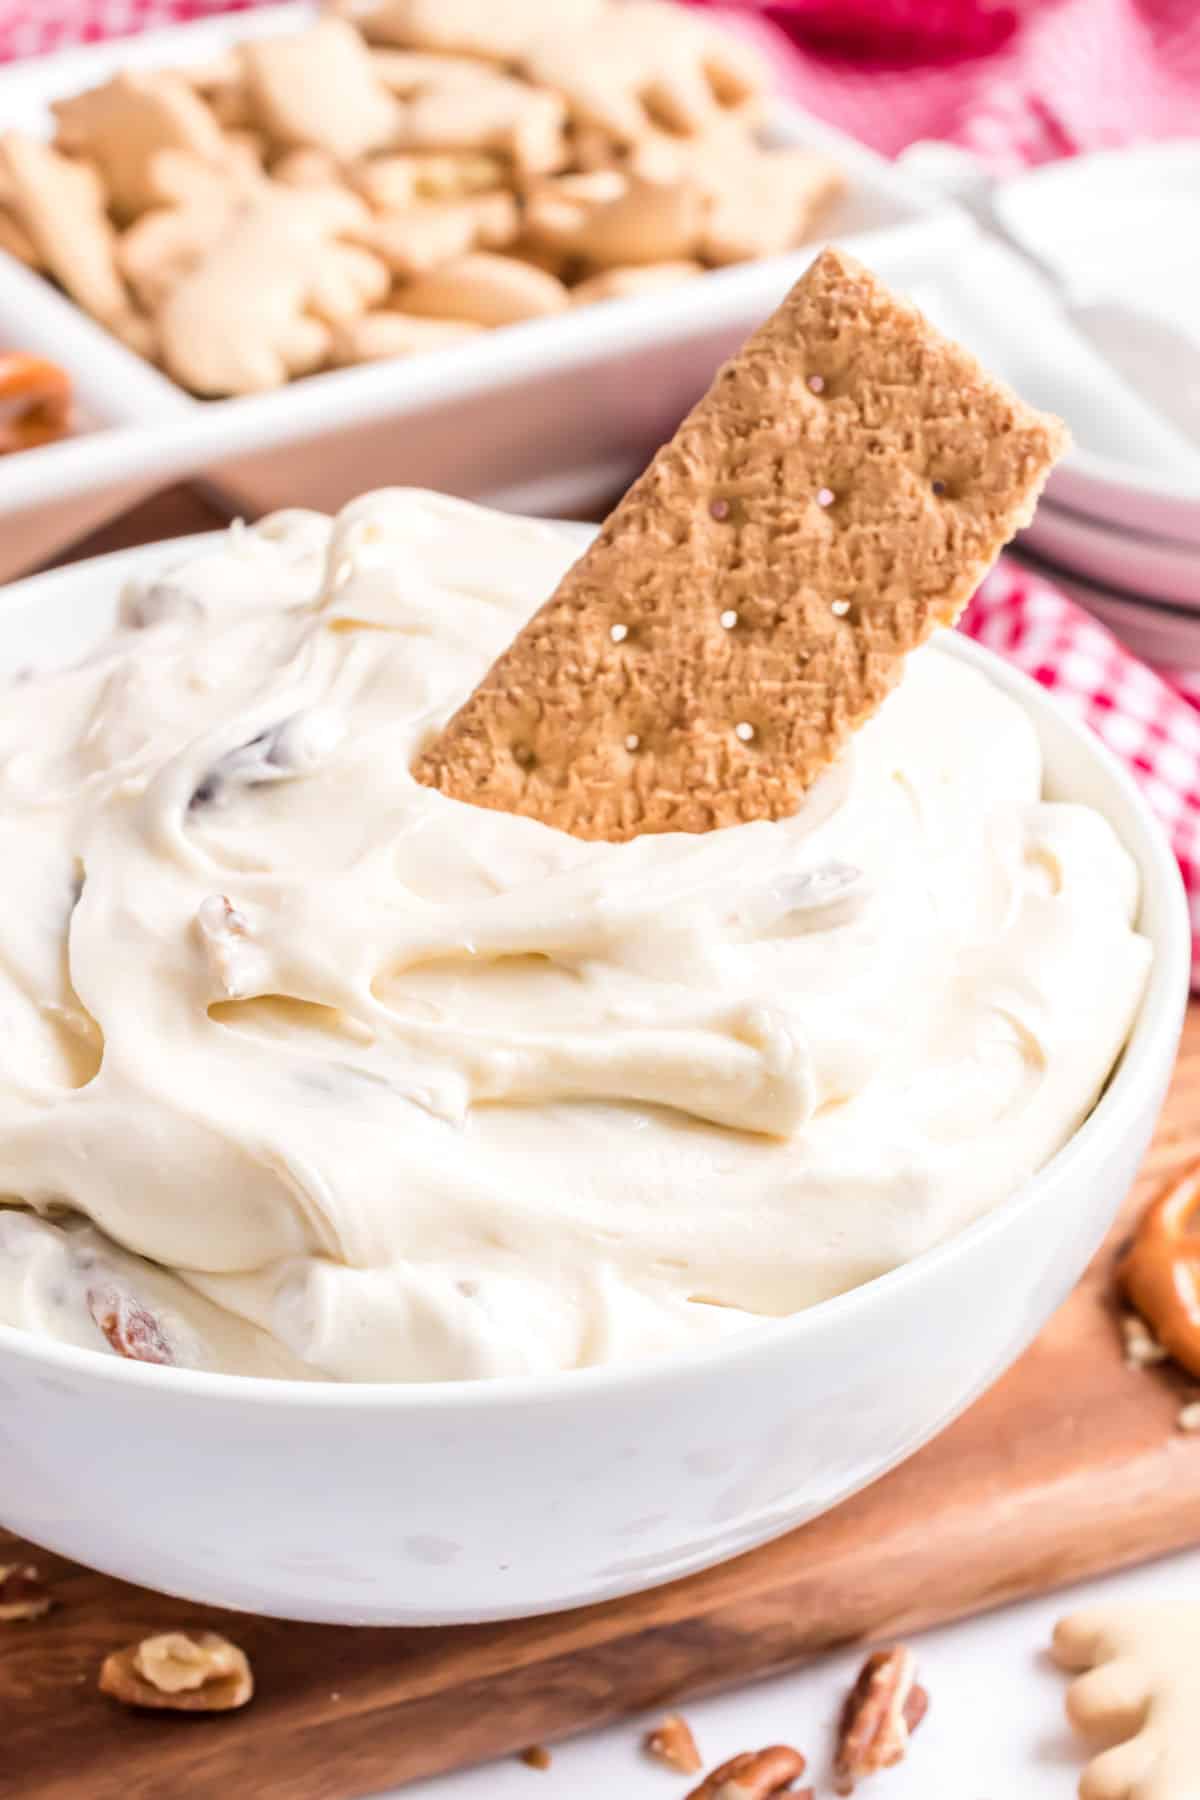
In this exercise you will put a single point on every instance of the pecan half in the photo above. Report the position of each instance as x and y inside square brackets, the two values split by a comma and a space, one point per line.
[882, 1709]
[672, 1743]
[754, 1775]
[129, 1328]
[182, 1671]
[23, 1593]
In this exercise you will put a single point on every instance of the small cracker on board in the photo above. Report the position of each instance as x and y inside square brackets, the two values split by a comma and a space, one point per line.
[836, 495]
[1140, 1696]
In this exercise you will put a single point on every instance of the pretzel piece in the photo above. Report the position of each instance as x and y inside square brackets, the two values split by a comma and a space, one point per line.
[35, 401]
[1160, 1272]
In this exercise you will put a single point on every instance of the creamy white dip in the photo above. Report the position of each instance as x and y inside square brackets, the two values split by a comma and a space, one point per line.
[382, 1086]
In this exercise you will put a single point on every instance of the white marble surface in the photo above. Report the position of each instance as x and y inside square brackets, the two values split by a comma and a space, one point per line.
[995, 1729]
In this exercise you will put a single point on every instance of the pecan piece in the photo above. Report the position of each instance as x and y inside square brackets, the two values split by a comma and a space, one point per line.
[882, 1709]
[182, 1671]
[754, 1775]
[129, 1328]
[23, 1593]
[672, 1743]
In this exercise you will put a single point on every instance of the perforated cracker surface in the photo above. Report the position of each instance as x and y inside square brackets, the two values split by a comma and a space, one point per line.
[836, 495]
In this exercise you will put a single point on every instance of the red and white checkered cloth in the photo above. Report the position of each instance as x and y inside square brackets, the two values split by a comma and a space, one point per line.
[1144, 719]
[34, 27]
[1018, 82]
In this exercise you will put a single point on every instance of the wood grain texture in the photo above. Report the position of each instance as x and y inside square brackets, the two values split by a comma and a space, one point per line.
[1069, 1466]
[172, 512]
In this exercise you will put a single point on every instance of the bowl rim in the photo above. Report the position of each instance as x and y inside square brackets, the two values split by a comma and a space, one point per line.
[1132, 1082]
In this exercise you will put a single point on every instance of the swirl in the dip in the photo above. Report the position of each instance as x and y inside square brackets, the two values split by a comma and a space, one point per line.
[306, 1069]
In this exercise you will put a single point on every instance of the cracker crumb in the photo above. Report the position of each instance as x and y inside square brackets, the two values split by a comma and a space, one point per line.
[1141, 1347]
[23, 1593]
[673, 1744]
[536, 1757]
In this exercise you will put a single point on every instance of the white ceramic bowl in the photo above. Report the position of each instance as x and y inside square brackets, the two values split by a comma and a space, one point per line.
[463, 1501]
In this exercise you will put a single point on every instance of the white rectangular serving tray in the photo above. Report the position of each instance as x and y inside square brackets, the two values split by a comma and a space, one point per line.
[547, 417]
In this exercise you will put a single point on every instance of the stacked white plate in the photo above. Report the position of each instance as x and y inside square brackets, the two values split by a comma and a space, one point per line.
[1114, 348]
[1146, 588]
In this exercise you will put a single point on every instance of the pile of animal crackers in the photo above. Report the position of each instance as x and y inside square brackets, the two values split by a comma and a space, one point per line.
[400, 175]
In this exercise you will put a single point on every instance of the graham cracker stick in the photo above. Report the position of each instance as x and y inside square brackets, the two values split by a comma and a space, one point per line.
[839, 491]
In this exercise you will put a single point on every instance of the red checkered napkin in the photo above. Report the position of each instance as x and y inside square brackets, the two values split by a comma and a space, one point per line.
[33, 27]
[1140, 717]
[1018, 81]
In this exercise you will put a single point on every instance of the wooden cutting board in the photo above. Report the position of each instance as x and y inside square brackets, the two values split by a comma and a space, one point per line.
[1071, 1465]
